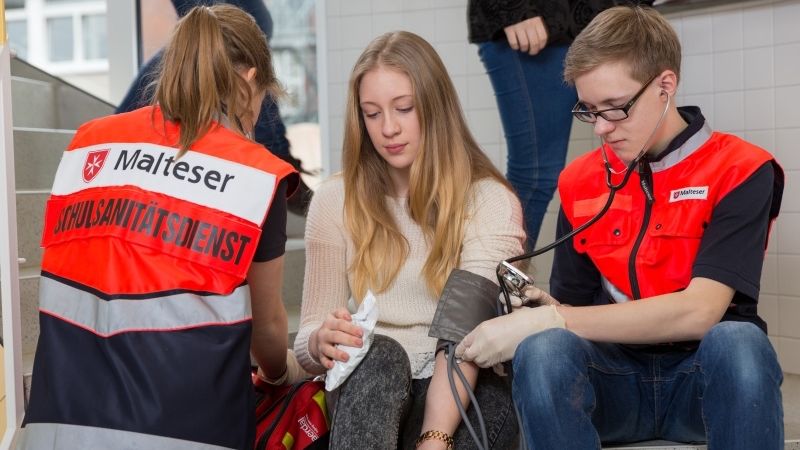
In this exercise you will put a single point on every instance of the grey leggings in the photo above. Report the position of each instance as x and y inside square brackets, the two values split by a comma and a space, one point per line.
[381, 407]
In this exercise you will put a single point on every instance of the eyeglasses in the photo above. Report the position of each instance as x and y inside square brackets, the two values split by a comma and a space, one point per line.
[611, 114]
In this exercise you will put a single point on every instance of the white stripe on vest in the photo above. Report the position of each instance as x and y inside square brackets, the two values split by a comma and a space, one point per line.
[174, 312]
[57, 436]
[196, 177]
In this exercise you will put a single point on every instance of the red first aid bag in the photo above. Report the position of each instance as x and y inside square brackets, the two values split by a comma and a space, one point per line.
[292, 417]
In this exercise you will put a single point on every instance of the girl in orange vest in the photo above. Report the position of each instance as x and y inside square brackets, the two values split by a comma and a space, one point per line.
[163, 238]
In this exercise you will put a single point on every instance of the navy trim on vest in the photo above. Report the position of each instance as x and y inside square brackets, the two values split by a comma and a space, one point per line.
[107, 296]
[153, 383]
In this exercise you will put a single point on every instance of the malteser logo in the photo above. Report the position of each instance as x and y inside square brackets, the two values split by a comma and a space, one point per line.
[689, 193]
[95, 161]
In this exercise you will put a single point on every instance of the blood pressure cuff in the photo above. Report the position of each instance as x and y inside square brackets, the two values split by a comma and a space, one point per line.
[466, 301]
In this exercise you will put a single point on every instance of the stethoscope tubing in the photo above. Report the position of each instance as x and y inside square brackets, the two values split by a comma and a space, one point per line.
[612, 191]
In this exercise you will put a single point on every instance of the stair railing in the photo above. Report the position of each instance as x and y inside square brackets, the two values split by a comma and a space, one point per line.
[9, 268]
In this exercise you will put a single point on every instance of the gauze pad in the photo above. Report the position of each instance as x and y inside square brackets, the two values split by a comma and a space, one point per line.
[366, 317]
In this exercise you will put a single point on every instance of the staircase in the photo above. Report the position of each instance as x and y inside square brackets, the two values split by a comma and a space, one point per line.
[46, 113]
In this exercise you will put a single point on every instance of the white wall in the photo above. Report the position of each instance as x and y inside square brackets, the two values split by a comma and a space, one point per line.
[741, 66]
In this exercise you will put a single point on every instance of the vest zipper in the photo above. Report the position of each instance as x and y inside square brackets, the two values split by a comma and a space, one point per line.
[646, 183]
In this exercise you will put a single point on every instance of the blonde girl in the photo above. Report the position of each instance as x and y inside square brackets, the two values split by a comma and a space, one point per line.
[416, 200]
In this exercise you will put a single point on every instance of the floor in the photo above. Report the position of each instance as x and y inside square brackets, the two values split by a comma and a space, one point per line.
[791, 415]
[791, 406]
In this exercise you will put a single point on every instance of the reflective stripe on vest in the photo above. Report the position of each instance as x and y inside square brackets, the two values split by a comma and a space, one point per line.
[57, 436]
[109, 317]
[691, 145]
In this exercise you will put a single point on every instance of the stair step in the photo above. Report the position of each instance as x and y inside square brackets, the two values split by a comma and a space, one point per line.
[67, 107]
[37, 153]
[30, 222]
[33, 103]
[295, 226]
[294, 264]
[29, 313]
[75, 107]
[23, 69]
[293, 316]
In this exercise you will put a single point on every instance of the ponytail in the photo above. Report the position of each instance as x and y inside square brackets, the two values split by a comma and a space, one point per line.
[200, 81]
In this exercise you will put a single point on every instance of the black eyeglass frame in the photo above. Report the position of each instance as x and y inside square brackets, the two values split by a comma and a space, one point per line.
[577, 113]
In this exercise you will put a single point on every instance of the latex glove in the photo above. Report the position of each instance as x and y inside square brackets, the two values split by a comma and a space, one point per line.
[528, 36]
[536, 296]
[496, 340]
[294, 372]
[532, 296]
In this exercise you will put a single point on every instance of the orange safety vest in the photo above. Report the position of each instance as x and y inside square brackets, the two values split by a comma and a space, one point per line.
[144, 310]
[687, 185]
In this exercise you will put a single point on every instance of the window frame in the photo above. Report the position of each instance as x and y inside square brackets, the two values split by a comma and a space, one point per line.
[37, 12]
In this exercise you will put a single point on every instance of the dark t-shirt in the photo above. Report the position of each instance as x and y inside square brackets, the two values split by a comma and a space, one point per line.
[272, 243]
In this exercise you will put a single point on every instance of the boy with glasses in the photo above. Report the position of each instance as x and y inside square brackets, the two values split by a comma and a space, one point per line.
[664, 341]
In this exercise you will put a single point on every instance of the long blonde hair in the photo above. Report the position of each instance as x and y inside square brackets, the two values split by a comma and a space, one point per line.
[199, 80]
[448, 162]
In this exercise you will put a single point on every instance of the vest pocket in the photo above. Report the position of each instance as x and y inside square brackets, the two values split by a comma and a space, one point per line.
[685, 219]
[614, 229]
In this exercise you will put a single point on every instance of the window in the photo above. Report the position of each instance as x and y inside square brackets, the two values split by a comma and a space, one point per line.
[94, 36]
[294, 50]
[59, 39]
[67, 38]
[61, 36]
[18, 37]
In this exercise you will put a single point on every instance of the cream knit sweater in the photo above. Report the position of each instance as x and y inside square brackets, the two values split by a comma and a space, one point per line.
[494, 232]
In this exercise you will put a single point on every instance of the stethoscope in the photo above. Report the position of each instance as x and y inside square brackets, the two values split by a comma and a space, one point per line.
[513, 281]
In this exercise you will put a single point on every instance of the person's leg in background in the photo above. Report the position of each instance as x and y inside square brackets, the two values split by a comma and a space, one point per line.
[535, 109]
[369, 407]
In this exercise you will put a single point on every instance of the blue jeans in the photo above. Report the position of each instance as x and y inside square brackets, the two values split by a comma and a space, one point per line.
[535, 109]
[573, 393]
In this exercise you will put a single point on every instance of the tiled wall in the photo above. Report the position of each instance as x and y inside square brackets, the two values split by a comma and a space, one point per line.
[741, 66]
